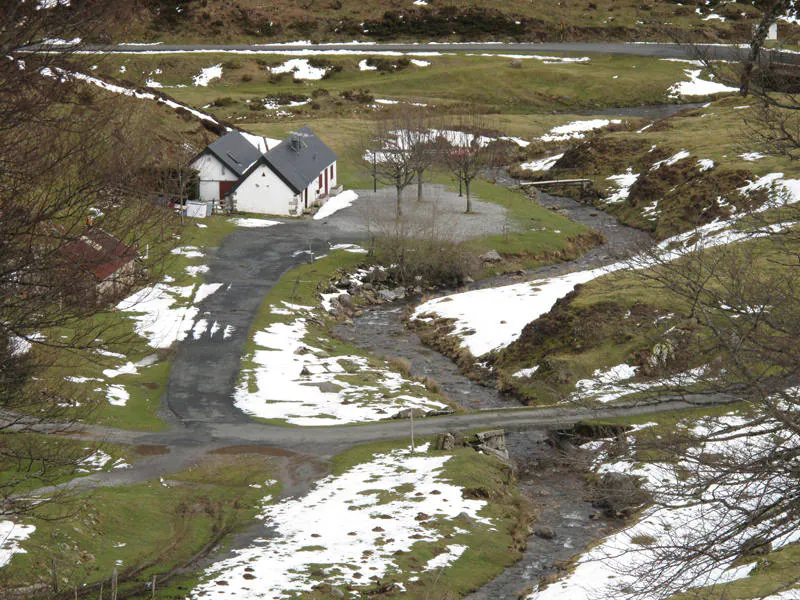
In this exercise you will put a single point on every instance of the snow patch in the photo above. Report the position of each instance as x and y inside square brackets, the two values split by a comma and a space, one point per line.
[698, 87]
[335, 204]
[577, 129]
[207, 75]
[351, 527]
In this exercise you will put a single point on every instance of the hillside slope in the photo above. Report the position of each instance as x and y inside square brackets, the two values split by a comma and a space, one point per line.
[569, 20]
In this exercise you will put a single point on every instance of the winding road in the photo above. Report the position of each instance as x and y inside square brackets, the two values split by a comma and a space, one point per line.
[198, 399]
[656, 50]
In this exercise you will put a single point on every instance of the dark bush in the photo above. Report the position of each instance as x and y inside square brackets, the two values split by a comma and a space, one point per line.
[224, 101]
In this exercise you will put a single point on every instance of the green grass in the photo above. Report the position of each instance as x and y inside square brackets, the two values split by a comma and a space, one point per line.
[24, 474]
[301, 286]
[149, 527]
[488, 553]
[117, 330]
[449, 80]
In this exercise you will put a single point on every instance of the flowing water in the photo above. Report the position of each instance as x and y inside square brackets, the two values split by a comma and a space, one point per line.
[549, 479]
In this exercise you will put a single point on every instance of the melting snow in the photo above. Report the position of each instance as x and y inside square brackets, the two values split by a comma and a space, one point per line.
[542, 164]
[671, 160]
[697, 87]
[576, 130]
[301, 69]
[296, 382]
[335, 204]
[348, 528]
[207, 74]
[156, 316]
[624, 183]
[11, 534]
[254, 222]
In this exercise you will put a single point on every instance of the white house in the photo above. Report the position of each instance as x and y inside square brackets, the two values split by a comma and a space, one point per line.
[222, 164]
[288, 179]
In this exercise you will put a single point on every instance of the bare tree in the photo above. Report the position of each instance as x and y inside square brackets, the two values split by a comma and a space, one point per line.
[72, 167]
[470, 149]
[426, 146]
[391, 150]
[737, 478]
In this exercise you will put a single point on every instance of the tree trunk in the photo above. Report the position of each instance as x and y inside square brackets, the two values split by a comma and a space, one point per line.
[771, 13]
[399, 201]
[469, 199]
[419, 186]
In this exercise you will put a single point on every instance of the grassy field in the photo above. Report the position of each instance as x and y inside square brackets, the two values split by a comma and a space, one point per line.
[725, 132]
[623, 318]
[144, 529]
[449, 80]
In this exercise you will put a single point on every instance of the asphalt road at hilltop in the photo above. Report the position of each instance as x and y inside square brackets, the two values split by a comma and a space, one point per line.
[633, 49]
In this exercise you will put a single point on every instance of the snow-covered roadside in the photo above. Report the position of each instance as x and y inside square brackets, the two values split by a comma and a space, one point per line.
[11, 536]
[577, 130]
[698, 87]
[493, 318]
[335, 204]
[294, 381]
[163, 314]
[617, 562]
[352, 528]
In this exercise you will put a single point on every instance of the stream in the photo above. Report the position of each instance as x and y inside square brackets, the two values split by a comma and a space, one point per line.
[552, 482]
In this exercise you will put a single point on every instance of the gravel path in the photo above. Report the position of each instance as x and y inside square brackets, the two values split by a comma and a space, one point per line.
[441, 212]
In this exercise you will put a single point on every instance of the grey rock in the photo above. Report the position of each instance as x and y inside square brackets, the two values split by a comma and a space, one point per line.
[328, 388]
[492, 256]
[406, 413]
[445, 441]
[544, 532]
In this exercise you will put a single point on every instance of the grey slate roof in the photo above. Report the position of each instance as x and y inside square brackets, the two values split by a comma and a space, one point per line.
[298, 165]
[235, 152]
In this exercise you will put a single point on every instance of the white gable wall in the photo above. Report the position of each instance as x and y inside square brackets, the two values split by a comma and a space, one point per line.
[211, 171]
[263, 192]
[315, 189]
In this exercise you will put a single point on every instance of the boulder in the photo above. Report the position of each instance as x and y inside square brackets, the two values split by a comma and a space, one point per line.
[544, 532]
[407, 412]
[492, 256]
[445, 441]
[492, 442]
[386, 295]
[345, 300]
[328, 388]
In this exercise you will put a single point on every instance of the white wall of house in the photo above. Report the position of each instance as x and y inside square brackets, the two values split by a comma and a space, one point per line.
[212, 171]
[263, 192]
[317, 188]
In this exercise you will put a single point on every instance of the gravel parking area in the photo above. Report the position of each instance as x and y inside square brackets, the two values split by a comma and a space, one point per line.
[440, 213]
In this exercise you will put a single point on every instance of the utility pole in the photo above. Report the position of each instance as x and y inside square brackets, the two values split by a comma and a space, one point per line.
[374, 173]
[412, 430]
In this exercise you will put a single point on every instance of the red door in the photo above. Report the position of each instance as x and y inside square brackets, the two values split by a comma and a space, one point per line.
[326, 182]
[224, 188]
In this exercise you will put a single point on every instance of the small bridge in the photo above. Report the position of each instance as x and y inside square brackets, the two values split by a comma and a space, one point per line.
[537, 185]
[582, 182]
